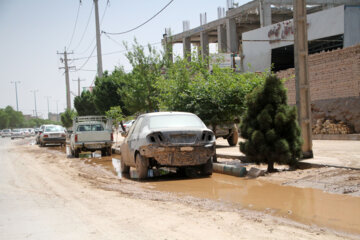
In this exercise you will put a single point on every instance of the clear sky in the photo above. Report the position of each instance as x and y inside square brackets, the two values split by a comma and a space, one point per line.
[31, 33]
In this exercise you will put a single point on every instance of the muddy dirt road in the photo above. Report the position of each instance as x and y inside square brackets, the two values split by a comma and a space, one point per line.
[45, 195]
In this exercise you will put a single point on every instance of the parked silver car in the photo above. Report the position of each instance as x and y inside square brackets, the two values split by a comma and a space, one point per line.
[6, 133]
[52, 134]
[168, 139]
[17, 133]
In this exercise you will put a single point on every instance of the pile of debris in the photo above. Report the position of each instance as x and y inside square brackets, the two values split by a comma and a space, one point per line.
[328, 126]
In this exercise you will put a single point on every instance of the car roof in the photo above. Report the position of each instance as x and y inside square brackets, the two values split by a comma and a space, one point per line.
[165, 113]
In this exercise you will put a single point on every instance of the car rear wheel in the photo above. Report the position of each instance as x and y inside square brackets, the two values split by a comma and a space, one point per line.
[124, 167]
[76, 153]
[207, 168]
[142, 165]
[109, 151]
[233, 139]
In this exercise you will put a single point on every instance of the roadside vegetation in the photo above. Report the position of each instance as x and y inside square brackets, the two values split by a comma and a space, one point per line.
[9, 118]
[270, 126]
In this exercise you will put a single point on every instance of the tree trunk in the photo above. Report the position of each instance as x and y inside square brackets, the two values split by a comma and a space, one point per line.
[270, 167]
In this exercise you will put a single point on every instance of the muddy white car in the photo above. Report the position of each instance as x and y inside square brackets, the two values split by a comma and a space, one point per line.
[52, 134]
[168, 139]
[91, 133]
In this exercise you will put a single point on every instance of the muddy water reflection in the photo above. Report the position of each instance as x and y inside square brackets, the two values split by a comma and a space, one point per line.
[309, 206]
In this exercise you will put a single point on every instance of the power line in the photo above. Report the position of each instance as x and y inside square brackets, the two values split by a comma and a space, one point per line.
[87, 24]
[130, 30]
[87, 60]
[76, 20]
[93, 39]
[111, 53]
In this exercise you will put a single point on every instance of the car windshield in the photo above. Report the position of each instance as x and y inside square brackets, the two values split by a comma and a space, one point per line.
[6, 130]
[90, 127]
[175, 121]
[16, 130]
[53, 129]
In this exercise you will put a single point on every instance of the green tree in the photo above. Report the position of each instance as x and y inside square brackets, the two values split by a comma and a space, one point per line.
[216, 97]
[140, 92]
[16, 119]
[4, 119]
[85, 104]
[116, 114]
[106, 91]
[67, 118]
[270, 126]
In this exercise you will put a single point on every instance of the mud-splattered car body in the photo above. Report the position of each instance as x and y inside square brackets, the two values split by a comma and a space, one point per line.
[171, 139]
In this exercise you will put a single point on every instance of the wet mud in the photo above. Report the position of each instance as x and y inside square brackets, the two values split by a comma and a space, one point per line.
[305, 205]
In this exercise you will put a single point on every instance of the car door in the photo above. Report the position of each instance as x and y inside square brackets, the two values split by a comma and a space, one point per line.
[133, 140]
[126, 154]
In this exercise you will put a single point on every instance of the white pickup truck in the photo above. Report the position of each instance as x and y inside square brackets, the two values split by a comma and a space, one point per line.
[91, 133]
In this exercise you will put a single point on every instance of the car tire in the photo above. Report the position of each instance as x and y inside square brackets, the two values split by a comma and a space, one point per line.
[124, 167]
[109, 151]
[207, 168]
[234, 138]
[103, 152]
[76, 153]
[142, 165]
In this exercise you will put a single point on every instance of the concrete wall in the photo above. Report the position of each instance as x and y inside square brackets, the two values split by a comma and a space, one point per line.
[322, 24]
[334, 85]
[352, 26]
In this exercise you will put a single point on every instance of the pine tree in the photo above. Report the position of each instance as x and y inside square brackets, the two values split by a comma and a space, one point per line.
[270, 126]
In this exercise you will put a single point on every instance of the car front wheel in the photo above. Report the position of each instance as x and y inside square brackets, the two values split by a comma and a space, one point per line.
[207, 168]
[142, 165]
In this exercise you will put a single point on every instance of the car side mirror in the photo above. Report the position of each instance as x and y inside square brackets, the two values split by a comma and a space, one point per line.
[124, 134]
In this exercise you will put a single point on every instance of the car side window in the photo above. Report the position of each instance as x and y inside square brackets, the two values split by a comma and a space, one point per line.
[136, 127]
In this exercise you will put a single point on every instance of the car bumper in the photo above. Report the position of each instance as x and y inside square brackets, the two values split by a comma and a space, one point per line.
[178, 156]
[53, 140]
[93, 145]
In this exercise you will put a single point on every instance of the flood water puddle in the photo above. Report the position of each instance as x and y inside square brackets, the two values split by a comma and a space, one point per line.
[305, 205]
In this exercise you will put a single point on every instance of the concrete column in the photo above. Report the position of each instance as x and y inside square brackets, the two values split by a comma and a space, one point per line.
[221, 35]
[168, 48]
[265, 13]
[204, 44]
[231, 36]
[187, 48]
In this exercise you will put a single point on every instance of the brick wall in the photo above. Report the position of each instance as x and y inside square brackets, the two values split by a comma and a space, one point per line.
[333, 75]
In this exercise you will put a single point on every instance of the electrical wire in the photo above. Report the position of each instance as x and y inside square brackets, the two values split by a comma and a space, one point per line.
[76, 20]
[87, 60]
[87, 24]
[142, 24]
[114, 52]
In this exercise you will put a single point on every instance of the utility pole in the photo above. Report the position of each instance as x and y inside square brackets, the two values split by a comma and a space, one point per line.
[17, 103]
[35, 91]
[79, 80]
[57, 110]
[98, 40]
[47, 98]
[67, 67]
[303, 100]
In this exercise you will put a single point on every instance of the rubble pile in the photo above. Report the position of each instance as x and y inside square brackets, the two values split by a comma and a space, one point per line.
[328, 126]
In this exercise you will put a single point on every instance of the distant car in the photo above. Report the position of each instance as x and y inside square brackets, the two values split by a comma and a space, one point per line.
[6, 133]
[17, 133]
[26, 132]
[168, 139]
[52, 134]
[128, 124]
[40, 130]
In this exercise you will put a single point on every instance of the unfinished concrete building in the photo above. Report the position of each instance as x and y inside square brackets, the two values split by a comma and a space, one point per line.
[261, 32]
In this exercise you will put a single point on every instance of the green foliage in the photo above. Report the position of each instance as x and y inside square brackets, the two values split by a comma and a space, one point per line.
[116, 114]
[9, 118]
[140, 92]
[67, 118]
[105, 92]
[85, 104]
[270, 126]
[216, 97]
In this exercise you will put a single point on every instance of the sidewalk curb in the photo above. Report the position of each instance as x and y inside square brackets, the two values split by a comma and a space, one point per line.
[244, 160]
